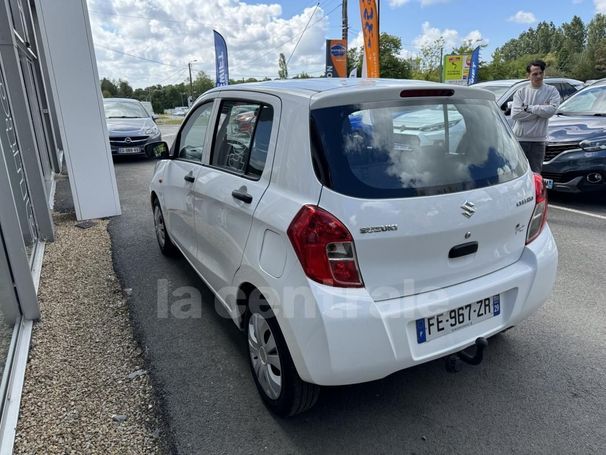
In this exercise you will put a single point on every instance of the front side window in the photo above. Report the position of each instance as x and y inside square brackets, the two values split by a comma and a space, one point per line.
[415, 148]
[193, 134]
[242, 137]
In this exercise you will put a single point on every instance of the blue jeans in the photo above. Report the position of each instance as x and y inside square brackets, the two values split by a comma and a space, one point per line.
[535, 152]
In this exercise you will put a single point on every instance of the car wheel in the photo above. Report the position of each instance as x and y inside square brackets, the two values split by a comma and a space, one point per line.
[273, 370]
[167, 246]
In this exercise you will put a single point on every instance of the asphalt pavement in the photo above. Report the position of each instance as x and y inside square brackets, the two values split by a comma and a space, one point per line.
[540, 389]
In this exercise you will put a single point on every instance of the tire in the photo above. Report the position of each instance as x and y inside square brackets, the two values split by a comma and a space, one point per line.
[272, 368]
[167, 247]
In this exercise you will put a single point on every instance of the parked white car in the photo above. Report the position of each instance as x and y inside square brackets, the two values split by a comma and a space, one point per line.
[347, 238]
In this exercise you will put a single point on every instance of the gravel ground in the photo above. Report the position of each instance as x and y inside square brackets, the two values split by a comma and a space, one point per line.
[86, 389]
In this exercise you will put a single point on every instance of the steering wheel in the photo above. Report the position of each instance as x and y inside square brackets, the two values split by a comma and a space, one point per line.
[237, 145]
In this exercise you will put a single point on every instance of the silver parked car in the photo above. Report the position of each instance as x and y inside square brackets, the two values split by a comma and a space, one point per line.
[504, 89]
[130, 126]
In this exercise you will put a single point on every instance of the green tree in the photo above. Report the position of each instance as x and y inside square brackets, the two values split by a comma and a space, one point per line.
[573, 44]
[124, 89]
[392, 66]
[283, 70]
[108, 88]
[575, 35]
[596, 40]
[430, 61]
[201, 84]
[354, 59]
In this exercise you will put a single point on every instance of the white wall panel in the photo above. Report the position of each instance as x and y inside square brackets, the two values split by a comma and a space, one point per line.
[77, 95]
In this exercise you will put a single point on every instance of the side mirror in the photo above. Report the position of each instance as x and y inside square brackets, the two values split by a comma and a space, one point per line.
[155, 117]
[507, 108]
[157, 151]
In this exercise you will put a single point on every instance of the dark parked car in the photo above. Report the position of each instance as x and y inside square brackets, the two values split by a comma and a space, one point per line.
[129, 125]
[575, 159]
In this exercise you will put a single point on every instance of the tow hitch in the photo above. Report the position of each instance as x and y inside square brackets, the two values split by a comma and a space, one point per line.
[454, 361]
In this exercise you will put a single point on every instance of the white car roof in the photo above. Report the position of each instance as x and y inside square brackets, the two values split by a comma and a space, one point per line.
[322, 92]
[499, 82]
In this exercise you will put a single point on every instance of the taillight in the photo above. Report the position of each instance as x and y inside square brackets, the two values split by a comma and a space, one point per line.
[539, 216]
[325, 248]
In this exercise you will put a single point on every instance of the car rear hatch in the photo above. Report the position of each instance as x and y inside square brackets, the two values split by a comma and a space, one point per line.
[433, 188]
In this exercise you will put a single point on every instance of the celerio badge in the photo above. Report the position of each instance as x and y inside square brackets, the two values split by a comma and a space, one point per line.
[525, 201]
[384, 228]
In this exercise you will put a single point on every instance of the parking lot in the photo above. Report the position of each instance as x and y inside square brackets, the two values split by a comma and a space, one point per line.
[540, 389]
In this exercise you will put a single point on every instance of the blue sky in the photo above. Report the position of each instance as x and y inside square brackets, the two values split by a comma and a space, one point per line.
[152, 41]
[495, 20]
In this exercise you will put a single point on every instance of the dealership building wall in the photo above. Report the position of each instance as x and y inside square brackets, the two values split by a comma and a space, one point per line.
[51, 119]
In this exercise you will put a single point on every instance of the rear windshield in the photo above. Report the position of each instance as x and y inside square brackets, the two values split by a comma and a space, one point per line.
[414, 148]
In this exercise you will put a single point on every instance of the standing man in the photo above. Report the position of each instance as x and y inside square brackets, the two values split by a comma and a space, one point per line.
[532, 106]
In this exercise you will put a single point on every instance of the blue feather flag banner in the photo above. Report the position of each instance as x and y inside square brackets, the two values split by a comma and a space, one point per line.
[475, 65]
[221, 64]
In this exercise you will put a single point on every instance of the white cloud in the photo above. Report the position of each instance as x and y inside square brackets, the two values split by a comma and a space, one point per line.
[432, 2]
[475, 38]
[431, 34]
[397, 3]
[523, 17]
[357, 42]
[176, 33]
[600, 6]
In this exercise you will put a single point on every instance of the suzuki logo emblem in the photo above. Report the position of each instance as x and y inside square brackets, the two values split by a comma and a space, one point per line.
[468, 209]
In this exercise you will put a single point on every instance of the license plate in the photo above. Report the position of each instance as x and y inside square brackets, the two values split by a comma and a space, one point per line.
[441, 324]
[126, 150]
[548, 183]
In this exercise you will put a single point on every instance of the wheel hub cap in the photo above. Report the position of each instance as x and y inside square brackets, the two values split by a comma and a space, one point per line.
[264, 356]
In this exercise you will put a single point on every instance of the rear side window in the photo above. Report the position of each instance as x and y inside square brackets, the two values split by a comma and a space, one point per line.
[242, 137]
[414, 148]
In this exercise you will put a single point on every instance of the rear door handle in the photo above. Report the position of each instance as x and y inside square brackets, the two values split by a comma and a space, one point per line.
[242, 196]
[463, 250]
[189, 178]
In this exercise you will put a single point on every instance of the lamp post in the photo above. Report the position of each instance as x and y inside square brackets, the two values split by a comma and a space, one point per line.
[191, 84]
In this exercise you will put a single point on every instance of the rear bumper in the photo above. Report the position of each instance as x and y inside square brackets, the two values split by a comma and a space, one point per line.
[350, 338]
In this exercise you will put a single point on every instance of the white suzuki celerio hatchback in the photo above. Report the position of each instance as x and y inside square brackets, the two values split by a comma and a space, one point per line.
[354, 228]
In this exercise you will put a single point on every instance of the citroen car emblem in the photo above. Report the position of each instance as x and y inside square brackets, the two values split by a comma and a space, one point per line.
[128, 140]
[468, 209]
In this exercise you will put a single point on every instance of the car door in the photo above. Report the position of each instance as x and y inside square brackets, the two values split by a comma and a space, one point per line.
[180, 176]
[229, 189]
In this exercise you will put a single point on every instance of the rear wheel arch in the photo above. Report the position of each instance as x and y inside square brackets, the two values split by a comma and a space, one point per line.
[296, 395]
